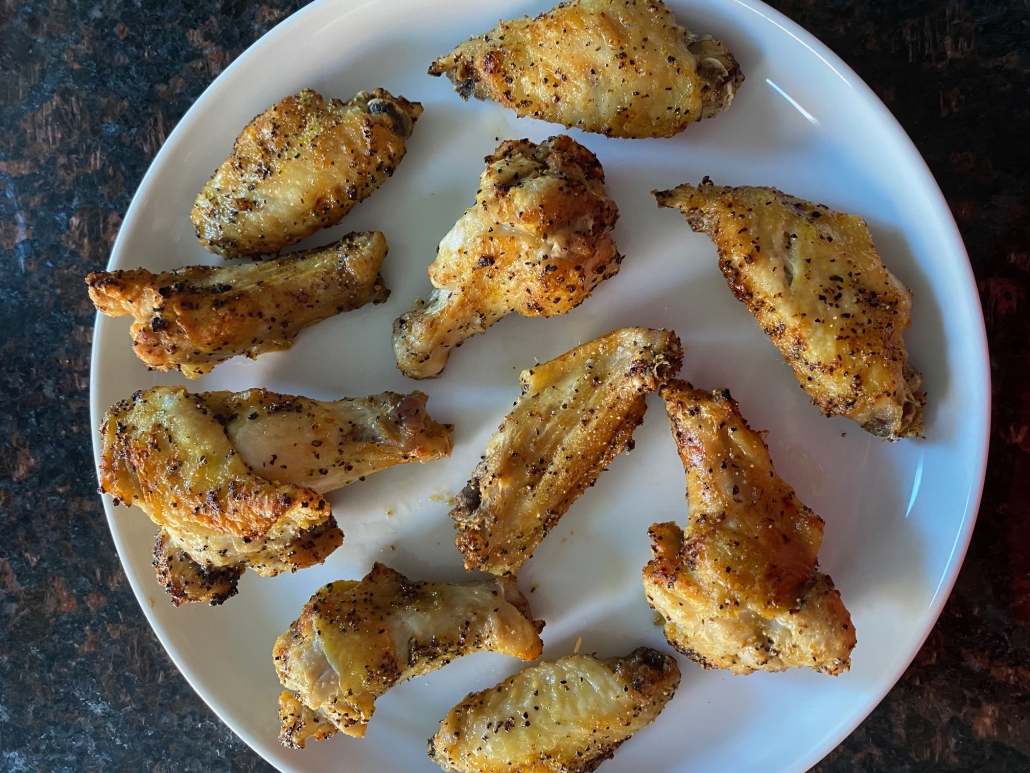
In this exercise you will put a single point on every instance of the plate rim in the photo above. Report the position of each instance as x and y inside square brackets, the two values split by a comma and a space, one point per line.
[870, 102]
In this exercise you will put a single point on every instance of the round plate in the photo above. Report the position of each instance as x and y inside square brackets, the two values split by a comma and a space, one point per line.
[898, 516]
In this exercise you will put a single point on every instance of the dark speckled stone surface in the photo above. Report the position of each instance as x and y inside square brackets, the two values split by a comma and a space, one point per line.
[90, 90]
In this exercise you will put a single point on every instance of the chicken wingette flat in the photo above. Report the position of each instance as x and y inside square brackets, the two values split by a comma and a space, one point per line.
[300, 166]
[740, 586]
[235, 480]
[816, 285]
[193, 318]
[576, 414]
[623, 68]
[564, 716]
[354, 641]
[537, 242]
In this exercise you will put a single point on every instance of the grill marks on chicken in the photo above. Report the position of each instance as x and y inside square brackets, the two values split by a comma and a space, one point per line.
[564, 716]
[193, 318]
[300, 166]
[354, 641]
[576, 414]
[740, 587]
[816, 285]
[202, 467]
[536, 242]
[622, 68]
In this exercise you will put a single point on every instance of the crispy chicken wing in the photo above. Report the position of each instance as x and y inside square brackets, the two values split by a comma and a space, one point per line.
[565, 716]
[235, 480]
[537, 241]
[355, 640]
[816, 285]
[740, 587]
[193, 318]
[576, 413]
[300, 166]
[623, 68]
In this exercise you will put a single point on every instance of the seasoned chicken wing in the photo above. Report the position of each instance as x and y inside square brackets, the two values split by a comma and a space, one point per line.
[537, 241]
[235, 480]
[816, 285]
[193, 318]
[300, 166]
[354, 641]
[623, 68]
[740, 587]
[565, 716]
[576, 414]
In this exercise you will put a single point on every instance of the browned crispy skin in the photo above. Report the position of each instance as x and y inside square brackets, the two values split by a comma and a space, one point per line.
[536, 242]
[197, 464]
[300, 166]
[564, 716]
[298, 723]
[740, 587]
[193, 318]
[185, 580]
[816, 285]
[354, 641]
[576, 414]
[623, 68]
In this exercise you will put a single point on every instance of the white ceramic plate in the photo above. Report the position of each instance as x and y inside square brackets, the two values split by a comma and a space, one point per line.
[898, 516]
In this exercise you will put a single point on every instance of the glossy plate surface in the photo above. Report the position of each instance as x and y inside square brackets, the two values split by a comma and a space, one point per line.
[898, 516]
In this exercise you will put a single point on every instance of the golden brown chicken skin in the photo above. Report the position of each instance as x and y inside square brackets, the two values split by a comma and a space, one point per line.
[740, 586]
[300, 166]
[816, 285]
[576, 414]
[235, 481]
[354, 641]
[536, 242]
[564, 716]
[196, 317]
[623, 68]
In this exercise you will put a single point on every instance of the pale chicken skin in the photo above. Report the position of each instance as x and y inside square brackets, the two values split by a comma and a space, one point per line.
[354, 641]
[194, 318]
[577, 412]
[815, 283]
[564, 716]
[622, 68]
[235, 481]
[740, 587]
[300, 166]
[536, 242]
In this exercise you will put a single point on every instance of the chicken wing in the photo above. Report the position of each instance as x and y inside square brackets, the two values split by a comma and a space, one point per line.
[354, 641]
[623, 68]
[576, 414]
[740, 587]
[537, 241]
[816, 285]
[235, 480]
[196, 317]
[565, 716]
[300, 166]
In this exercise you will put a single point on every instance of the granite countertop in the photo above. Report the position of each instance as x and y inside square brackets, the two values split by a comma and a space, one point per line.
[90, 91]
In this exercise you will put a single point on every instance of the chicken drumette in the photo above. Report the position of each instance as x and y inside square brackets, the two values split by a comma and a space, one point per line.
[354, 641]
[537, 241]
[235, 480]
